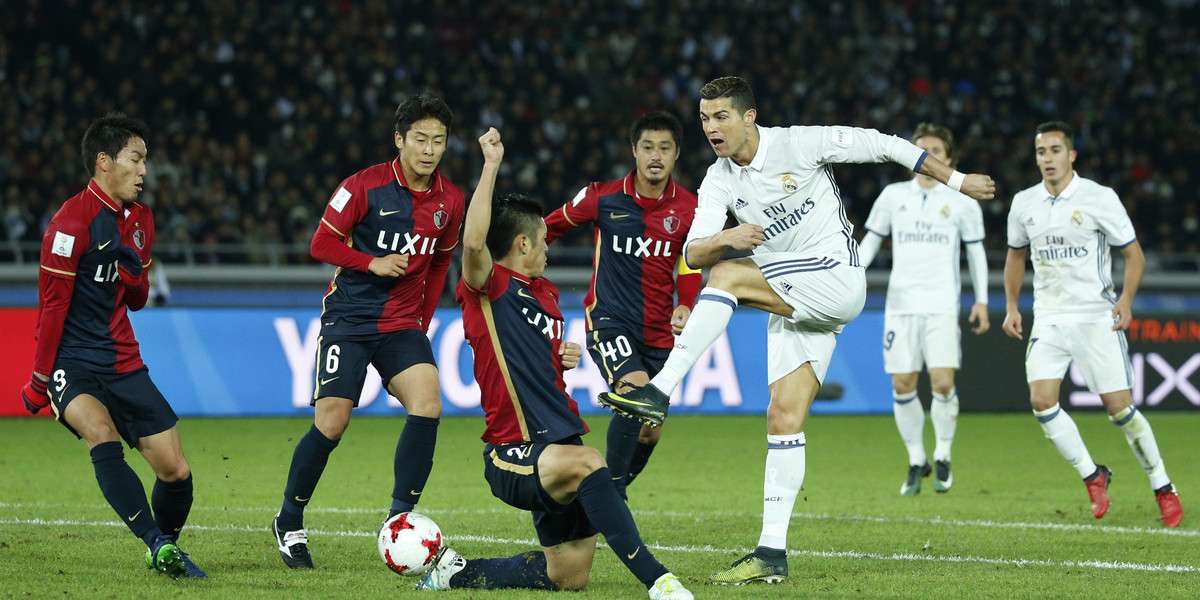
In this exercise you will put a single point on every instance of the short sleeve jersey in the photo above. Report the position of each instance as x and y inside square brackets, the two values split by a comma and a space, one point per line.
[926, 227]
[789, 190]
[1070, 239]
[638, 243]
[81, 244]
[375, 212]
[515, 329]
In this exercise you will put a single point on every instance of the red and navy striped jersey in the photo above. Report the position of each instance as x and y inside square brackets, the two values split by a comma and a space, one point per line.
[82, 303]
[638, 244]
[515, 329]
[374, 213]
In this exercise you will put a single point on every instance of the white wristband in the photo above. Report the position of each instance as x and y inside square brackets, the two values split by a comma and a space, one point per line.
[956, 180]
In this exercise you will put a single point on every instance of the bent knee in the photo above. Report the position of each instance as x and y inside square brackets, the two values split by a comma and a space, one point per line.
[571, 582]
[425, 407]
[176, 471]
[1039, 402]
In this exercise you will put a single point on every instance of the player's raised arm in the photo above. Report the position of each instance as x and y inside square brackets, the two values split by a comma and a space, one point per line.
[477, 260]
[975, 185]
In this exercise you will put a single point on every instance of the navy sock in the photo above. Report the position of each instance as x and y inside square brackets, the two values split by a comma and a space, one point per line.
[124, 491]
[172, 502]
[619, 451]
[308, 462]
[610, 516]
[413, 462]
[526, 570]
[641, 456]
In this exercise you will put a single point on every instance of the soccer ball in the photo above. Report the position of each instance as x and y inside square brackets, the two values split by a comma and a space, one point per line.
[409, 543]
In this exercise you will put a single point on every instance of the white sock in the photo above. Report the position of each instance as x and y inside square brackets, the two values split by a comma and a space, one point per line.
[1141, 440]
[910, 420]
[1061, 430]
[781, 485]
[713, 309]
[943, 411]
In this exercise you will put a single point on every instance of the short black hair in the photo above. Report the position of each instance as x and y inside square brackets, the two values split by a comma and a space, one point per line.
[512, 214]
[731, 87]
[109, 134]
[656, 121]
[1060, 126]
[421, 106]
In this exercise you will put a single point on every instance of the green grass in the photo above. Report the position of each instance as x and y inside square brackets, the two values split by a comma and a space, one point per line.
[1016, 524]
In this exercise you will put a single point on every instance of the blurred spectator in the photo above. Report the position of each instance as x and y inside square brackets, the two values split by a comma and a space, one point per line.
[259, 108]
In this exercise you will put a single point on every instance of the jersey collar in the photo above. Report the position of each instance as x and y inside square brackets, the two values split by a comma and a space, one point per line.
[1066, 193]
[437, 177]
[94, 188]
[630, 189]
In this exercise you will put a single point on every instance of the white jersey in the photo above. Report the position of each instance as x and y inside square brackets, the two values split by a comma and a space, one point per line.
[788, 189]
[926, 227]
[1069, 239]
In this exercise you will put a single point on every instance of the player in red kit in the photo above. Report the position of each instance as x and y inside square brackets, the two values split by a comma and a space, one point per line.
[534, 457]
[641, 222]
[87, 367]
[390, 230]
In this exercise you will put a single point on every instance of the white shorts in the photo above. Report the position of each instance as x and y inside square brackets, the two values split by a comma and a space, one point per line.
[911, 342]
[1101, 354]
[823, 299]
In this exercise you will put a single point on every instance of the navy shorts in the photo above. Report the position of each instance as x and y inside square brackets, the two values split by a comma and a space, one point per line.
[618, 354]
[511, 471]
[137, 408]
[342, 361]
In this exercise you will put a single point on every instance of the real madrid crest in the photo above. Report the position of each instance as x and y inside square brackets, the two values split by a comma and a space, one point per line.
[139, 239]
[945, 211]
[1077, 219]
[789, 185]
[671, 223]
[439, 218]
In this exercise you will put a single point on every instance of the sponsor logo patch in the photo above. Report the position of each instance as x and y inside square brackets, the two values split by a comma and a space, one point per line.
[63, 244]
[339, 200]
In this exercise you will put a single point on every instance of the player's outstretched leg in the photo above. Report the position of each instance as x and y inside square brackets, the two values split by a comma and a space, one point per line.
[646, 404]
[1097, 488]
[452, 571]
[768, 565]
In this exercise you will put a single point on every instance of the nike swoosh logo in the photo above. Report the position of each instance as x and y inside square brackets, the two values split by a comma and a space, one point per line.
[616, 216]
[384, 213]
[328, 381]
[135, 516]
[415, 492]
[524, 294]
[618, 366]
[102, 246]
[630, 556]
[626, 400]
[299, 499]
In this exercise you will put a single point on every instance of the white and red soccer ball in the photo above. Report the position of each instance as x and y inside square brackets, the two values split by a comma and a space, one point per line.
[409, 543]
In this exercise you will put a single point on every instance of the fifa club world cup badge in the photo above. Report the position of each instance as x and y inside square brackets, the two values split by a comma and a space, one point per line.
[671, 223]
[439, 218]
[1077, 219]
[139, 239]
[789, 185]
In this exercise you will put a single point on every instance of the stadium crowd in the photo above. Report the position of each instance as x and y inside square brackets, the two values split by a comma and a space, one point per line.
[259, 109]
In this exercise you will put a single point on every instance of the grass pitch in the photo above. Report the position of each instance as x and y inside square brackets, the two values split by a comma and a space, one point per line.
[1016, 525]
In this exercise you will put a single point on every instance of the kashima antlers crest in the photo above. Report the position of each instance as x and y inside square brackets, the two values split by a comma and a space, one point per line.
[139, 239]
[671, 223]
[439, 218]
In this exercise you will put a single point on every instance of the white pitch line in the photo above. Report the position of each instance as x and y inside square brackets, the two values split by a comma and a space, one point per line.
[905, 556]
[1076, 527]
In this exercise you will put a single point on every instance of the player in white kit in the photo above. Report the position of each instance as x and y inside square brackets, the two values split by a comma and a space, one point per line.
[778, 183]
[927, 221]
[1067, 224]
